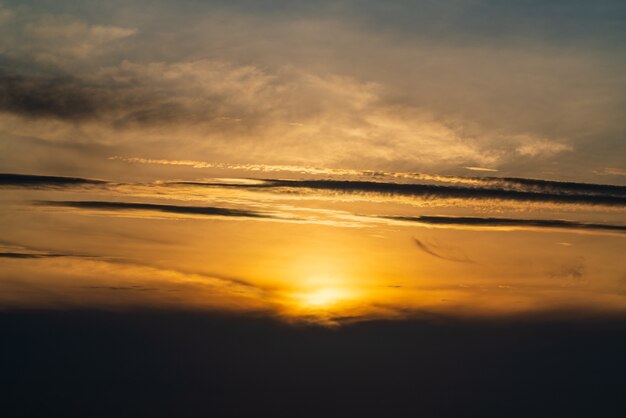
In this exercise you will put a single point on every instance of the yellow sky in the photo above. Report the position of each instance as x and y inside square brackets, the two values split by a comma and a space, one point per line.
[342, 160]
[307, 255]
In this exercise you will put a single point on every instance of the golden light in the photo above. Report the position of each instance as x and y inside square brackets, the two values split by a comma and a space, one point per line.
[322, 298]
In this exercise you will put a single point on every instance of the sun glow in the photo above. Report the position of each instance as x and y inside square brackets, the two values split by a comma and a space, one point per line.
[322, 298]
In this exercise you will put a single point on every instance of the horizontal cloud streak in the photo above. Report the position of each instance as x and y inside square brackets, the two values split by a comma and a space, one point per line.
[513, 183]
[423, 190]
[492, 187]
[28, 180]
[508, 223]
[176, 209]
[431, 191]
[30, 255]
[553, 186]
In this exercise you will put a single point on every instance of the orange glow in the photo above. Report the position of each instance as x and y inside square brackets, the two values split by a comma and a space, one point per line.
[340, 259]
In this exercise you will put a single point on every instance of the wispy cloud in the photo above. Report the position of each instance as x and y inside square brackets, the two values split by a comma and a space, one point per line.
[475, 222]
[375, 104]
[30, 255]
[247, 167]
[175, 209]
[478, 187]
[550, 186]
[50, 97]
[34, 181]
[542, 148]
[437, 251]
[427, 191]
[55, 39]
[615, 171]
[565, 244]
[574, 270]
[12, 251]
[509, 183]
[480, 169]
[132, 288]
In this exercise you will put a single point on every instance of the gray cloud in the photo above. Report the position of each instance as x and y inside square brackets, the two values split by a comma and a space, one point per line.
[508, 222]
[402, 86]
[176, 209]
[133, 288]
[537, 185]
[49, 97]
[437, 191]
[34, 181]
[73, 99]
[30, 255]
[480, 187]
[435, 251]
[9, 250]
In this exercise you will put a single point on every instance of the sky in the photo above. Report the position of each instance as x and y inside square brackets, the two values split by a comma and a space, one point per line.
[530, 89]
[328, 174]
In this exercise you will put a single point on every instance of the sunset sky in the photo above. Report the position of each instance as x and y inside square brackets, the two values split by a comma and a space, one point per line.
[428, 167]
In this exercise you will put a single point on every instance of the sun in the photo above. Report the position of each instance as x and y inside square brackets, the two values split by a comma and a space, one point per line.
[322, 298]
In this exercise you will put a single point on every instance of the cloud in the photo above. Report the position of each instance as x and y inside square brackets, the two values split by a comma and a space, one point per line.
[562, 194]
[133, 288]
[50, 97]
[30, 255]
[175, 209]
[615, 171]
[19, 252]
[475, 222]
[132, 95]
[34, 181]
[245, 104]
[542, 148]
[15, 251]
[480, 169]
[574, 270]
[538, 185]
[254, 84]
[63, 36]
[122, 100]
[436, 251]
[5, 14]
[250, 167]
[432, 191]
[509, 183]
[55, 39]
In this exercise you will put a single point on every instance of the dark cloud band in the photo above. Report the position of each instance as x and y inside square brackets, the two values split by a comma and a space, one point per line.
[549, 186]
[27, 180]
[49, 97]
[30, 255]
[431, 191]
[176, 209]
[508, 222]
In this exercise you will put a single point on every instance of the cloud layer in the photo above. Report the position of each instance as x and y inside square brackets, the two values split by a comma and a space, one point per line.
[29, 180]
[428, 191]
[350, 86]
[150, 207]
[507, 223]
